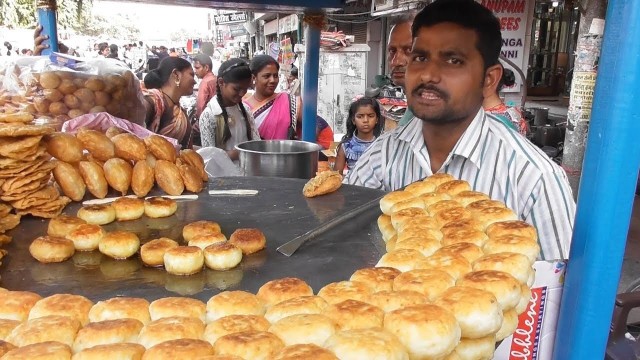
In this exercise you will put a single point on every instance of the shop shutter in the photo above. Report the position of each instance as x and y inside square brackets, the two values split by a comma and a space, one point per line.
[359, 31]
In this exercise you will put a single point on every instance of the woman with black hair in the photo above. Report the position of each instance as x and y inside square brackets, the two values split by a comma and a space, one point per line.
[276, 114]
[226, 121]
[493, 104]
[172, 79]
[364, 125]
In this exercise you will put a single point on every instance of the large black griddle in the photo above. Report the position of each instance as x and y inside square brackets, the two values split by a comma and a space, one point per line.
[279, 210]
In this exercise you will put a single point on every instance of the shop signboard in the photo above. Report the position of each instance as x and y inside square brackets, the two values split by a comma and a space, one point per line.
[230, 18]
[512, 15]
[237, 30]
[288, 24]
[271, 27]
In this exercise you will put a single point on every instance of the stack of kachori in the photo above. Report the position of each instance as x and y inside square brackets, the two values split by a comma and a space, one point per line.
[464, 252]
[122, 161]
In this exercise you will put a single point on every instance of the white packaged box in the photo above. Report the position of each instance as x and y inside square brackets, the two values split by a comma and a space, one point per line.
[535, 335]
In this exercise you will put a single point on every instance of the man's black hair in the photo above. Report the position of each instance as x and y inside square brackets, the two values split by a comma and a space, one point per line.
[204, 60]
[468, 14]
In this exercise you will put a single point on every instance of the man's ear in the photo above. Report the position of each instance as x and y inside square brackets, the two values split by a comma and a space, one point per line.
[492, 77]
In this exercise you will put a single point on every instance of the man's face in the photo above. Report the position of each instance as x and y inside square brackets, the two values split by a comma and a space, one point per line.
[106, 51]
[200, 70]
[398, 52]
[445, 76]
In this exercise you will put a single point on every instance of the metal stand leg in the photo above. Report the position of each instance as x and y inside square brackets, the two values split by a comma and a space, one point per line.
[310, 86]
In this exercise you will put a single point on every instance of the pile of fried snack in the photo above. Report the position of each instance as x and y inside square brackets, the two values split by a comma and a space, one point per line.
[456, 275]
[64, 95]
[203, 241]
[122, 161]
[25, 172]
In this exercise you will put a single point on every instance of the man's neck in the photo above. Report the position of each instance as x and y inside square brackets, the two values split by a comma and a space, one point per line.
[491, 101]
[441, 139]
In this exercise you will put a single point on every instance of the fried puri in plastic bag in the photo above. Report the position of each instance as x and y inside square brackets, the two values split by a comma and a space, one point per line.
[64, 147]
[94, 178]
[142, 179]
[194, 159]
[161, 148]
[70, 180]
[168, 177]
[118, 173]
[97, 143]
[129, 147]
[191, 178]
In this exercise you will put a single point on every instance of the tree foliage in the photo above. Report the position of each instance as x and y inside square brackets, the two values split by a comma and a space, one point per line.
[22, 13]
[72, 15]
[17, 13]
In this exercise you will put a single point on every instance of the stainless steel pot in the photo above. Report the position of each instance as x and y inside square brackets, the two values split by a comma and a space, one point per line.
[279, 158]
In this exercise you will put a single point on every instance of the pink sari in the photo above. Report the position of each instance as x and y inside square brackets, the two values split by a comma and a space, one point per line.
[273, 118]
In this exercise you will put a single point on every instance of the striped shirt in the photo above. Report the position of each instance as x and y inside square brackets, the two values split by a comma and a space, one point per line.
[495, 160]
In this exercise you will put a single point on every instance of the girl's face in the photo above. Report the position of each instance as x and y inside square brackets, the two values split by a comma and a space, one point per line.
[365, 119]
[232, 92]
[187, 81]
[267, 80]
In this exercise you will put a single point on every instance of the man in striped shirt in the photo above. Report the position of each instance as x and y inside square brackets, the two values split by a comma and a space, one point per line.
[454, 62]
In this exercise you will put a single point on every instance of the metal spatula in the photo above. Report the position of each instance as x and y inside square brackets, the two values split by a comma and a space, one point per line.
[291, 246]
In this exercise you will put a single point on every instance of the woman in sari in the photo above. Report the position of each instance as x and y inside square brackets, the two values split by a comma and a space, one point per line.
[172, 79]
[276, 114]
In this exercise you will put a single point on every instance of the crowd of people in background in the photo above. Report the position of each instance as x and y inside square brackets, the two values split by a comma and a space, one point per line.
[234, 98]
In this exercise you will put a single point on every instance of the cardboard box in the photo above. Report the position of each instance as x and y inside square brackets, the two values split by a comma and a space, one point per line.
[535, 336]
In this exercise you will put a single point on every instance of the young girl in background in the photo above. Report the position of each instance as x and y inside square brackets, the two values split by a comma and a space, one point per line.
[364, 125]
[226, 121]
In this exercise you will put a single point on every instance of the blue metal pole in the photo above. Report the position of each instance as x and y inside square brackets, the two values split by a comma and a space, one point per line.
[310, 86]
[605, 198]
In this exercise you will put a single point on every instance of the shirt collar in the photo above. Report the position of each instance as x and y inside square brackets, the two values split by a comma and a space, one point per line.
[411, 132]
[468, 146]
